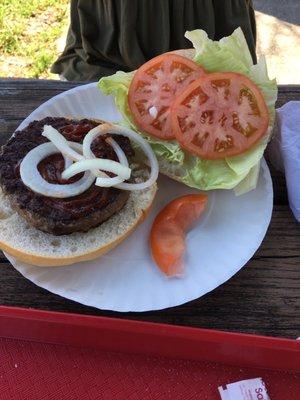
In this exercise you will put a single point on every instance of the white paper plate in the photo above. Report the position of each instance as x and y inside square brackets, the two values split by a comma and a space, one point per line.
[126, 279]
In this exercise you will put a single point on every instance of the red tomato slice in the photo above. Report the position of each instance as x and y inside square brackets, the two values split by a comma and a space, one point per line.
[220, 115]
[153, 89]
[167, 237]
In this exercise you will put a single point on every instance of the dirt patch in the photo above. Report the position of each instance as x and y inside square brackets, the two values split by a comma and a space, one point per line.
[279, 41]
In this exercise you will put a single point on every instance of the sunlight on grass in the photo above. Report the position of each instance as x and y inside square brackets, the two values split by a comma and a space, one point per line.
[29, 30]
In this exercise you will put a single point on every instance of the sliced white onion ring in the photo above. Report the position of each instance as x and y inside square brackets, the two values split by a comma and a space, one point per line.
[61, 143]
[119, 152]
[73, 145]
[104, 180]
[32, 178]
[97, 163]
[122, 131]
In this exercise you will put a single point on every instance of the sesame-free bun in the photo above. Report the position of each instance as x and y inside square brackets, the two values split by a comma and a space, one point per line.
[35, 247]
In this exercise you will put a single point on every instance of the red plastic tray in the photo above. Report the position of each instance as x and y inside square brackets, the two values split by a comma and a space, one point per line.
[50, 355]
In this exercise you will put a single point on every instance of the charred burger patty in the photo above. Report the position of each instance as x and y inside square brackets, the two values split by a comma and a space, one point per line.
[54, 215]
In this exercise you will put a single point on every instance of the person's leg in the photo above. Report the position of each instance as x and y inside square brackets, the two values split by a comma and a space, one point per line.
[91, 40]
[64, 65]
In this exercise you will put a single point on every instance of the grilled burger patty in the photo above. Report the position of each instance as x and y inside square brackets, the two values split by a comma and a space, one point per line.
[53, 215]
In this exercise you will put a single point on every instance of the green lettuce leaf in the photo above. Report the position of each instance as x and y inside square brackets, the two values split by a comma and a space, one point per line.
[240, 172]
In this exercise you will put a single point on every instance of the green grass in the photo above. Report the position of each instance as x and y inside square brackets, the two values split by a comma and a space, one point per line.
[29, 30]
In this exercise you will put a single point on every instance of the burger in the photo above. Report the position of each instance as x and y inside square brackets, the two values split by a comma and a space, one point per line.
[71, 190]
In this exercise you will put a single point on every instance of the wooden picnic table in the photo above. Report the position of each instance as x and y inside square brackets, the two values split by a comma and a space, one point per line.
[263, 298]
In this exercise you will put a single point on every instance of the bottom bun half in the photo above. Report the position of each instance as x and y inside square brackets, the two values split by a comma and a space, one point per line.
[35, 247]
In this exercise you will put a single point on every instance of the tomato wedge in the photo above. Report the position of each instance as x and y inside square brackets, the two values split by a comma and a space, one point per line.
[220, 115]
[167, 236]
[153, 89]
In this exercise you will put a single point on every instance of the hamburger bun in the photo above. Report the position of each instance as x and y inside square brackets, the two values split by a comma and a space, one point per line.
[35, 247]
